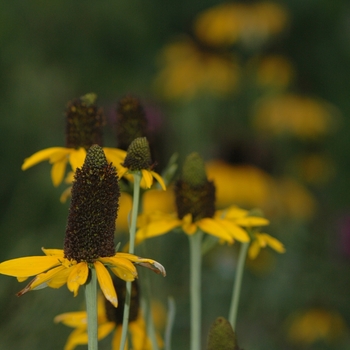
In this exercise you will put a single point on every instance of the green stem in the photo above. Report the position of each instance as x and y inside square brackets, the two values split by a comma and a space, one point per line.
[134, 212]
[237, 284]
[91, 309]
[195, 288]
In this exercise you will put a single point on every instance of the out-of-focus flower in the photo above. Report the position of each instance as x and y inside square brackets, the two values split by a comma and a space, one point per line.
[84, 123]
[304, 117]
[315, 325]
[110, 319]
[249, 23]
[314, 168]
[89, 239]
[188, 70]
[262, 240]
[274, 71]
[245, 185]
[195, 203]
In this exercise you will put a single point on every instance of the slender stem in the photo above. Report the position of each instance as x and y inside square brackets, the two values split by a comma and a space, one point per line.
[91, 309]
[195, 288]
[134, 212]
[170, 323]
[237, 284]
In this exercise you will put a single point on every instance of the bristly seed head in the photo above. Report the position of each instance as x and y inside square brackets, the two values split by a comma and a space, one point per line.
[194, 194]
[138, 155]
[93, 209]
[84, 122]
[131, 121]
[116, 314]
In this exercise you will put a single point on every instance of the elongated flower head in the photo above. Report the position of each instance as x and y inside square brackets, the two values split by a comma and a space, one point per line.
[84, 122]
[116, 314]
[93, 210]
[131, 121]
[193, 192]
[138, 156]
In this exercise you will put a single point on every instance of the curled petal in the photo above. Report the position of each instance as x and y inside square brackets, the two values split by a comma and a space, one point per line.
[41, 280]
[152, 265]
[159, 179]
[121, 267]
[106, 283]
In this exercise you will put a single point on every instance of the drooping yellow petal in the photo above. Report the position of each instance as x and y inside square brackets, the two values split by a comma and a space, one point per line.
[273, 242]
[45, 154]
[122, 268]
[159, 179]
[57, 171]
[214, 228]
[41, 280]
[65, 194]
[77, 277]
[106, 283]
[104, 329]
[77, 157]
[156, 228]
[235, 212]
[254, 250]
[147, 178]
[60, 278]
[188, 226]
[78, 337]
[72, 319]
[237, 232]
[28, 266]
[252, 221]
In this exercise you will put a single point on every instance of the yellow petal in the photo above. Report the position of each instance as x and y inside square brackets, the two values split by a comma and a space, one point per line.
[57, 171]
[78, 337]
[104, 329]
[77, 157]
[157, 228]
[60, 278]
[106, 283]
[77, 277]
[40, 281]
[237, 232]
[252, 221]
[72, 319]
[45, 154]
[122, 268]
[28, 266]
[147, 178]
[273, 243]
[254, 250]
[234, 212]
[53, 252]
[214, 228]
[65, 194]
[115, 156]
[159, 179]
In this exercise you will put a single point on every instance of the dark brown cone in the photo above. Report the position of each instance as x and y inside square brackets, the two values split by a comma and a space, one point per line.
[138, 155]
[84, 122]
[116, 314]
[93, 209]
[131, 121]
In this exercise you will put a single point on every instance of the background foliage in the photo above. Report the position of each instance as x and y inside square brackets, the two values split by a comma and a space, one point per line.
[54, 51]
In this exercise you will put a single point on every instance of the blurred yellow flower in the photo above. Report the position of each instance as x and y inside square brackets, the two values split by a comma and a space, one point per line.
[274, 71]
[261, 240]
[245, 185]
[250, 23]
[316, 325]
[188, 70]
[304, 117]
[107, 324]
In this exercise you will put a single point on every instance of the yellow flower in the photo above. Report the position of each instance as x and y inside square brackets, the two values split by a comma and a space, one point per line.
[108, 321]
[54, 270]
[138, 158]
[316, 325]
[303, 117]
[188, 70]
[251, 23]
[261, 240]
